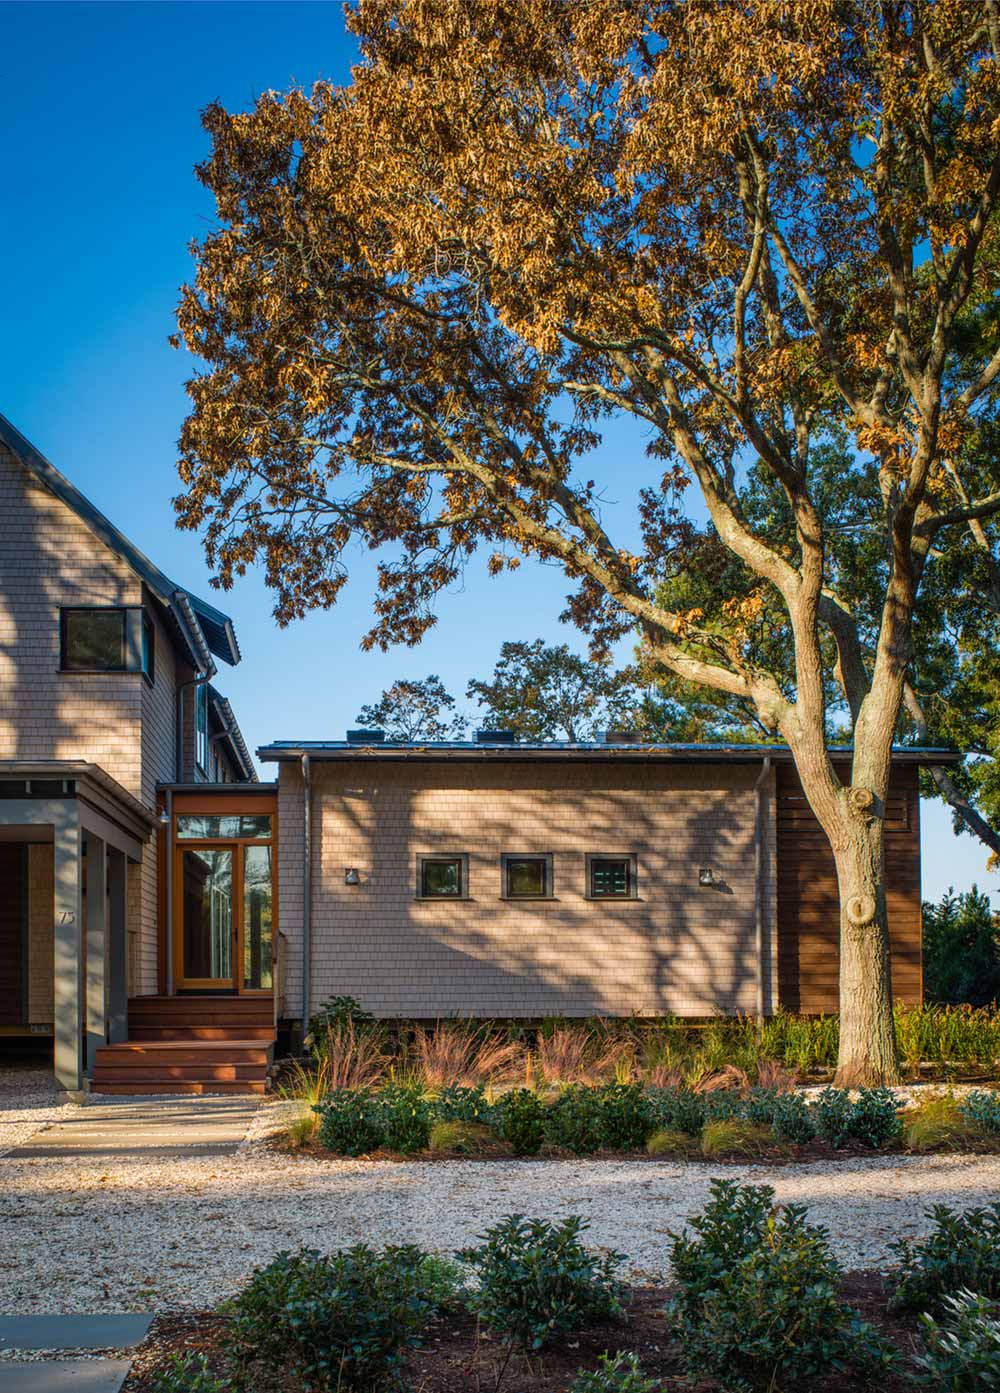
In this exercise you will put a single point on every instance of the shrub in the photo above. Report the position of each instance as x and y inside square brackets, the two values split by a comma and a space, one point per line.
[677, 1110]
[939, 1122]
[457, 1103]
[462, 1138]
[520, 1121]
[962, 1353]
[537, 1280]
[574, 1120]
[982, 1109]
[961, 1251]
[875, 1119]
[666, 1142]
[188, 1373]
[622, 1374]
[350, 1123]
[758, 1307]
[337, 1322]
[791, 1119]
[831, 1114]
[624, 1115]
[333, 1014]
[404, 1118]
[734, 1136]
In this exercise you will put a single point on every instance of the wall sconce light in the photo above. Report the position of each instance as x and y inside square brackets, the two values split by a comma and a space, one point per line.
[706, 876]
[164, 818]
[352, 876]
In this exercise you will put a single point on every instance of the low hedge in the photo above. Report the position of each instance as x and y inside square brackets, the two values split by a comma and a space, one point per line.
[627, 1117]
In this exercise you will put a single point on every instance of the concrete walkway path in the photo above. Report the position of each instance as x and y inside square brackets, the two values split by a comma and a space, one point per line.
[155, 1128]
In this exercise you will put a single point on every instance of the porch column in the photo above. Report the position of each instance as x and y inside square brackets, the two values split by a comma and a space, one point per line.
[68, 944]
[97, 915]
[118, 947]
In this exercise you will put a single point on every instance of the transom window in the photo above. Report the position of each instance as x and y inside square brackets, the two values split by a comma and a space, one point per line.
[527, 877]
[442, 877]
[611, 877]
[210, 827]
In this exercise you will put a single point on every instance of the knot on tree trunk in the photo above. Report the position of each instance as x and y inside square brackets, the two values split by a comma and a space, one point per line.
[860, 911]
[861, 799]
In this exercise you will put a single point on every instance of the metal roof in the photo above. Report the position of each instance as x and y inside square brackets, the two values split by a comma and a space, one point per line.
[233, 735]
[283, 750]
[205, 629]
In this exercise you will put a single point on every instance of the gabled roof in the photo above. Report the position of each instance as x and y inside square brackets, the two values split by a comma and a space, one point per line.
[207, 632]
[230, 730]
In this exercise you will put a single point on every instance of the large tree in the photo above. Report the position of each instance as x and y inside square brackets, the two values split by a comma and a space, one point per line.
[744, 223]
[415, 709]
[546, 691]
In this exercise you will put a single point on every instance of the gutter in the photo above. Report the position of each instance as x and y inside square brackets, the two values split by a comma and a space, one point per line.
[760, 795]
[306, 891]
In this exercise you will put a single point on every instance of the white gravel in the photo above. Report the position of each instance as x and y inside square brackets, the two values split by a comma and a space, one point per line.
[29, 1102]
[141, 1234]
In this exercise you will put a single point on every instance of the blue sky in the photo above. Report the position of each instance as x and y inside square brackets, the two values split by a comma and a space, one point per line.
[99, 133]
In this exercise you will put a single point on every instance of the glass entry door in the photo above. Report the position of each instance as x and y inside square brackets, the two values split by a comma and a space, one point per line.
[223, 916]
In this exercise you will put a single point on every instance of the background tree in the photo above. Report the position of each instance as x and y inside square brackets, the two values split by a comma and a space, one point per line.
[546, 692]
[962, 950]
[415, 710]
[750, 226]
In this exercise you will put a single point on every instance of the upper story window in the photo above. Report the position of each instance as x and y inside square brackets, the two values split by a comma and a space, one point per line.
[201, 745]
[112, 638]
[94, 640]
[611, 877]
[527, 877]
[442, 877]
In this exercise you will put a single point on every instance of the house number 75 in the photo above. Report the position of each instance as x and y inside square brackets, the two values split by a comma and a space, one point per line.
[68, 916]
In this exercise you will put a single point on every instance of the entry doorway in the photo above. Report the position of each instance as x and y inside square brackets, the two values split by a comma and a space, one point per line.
[224, 902]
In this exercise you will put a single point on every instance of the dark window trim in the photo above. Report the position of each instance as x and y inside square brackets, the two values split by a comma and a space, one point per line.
[66, 610]
[631, 860]
[147, 627]
[463, 875]
[201, 702]
[546, 859]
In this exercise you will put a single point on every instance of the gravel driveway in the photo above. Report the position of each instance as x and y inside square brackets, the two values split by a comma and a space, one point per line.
[140, 1234]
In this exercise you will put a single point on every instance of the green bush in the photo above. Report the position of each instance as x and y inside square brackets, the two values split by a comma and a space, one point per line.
[520, 1121]
[188, 1373]
[758, 1307]
[831, 1114]
[625, 1116]
[404, 1117]
[350, 1123]
[791, 1119]
[340, 1322]
[982, 1108]
[573, 1121]
[962, 1352]
[961, 1251]
[622, 1374]
[537, 1280]
[872, 1120]
[677, 1110]
[334, 1013]
[459, 1104]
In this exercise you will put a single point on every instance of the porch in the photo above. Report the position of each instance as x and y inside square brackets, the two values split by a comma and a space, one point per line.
[68, 833]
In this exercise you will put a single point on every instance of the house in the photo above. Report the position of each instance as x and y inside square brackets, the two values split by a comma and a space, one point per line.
[497, 878]
[108, 705]
[163, 912]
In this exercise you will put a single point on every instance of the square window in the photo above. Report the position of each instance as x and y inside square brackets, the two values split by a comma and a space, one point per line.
[93, 640]
[611, 877]
[442, 877]
[527, 877]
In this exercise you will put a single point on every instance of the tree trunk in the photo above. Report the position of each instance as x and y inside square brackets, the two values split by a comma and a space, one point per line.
[868, 1055]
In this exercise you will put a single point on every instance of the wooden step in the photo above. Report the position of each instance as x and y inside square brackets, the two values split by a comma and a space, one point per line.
[186, 1052]
[201, 1032]
[179, 1086]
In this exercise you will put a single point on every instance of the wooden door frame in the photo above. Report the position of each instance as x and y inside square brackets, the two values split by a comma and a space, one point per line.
[237, 846]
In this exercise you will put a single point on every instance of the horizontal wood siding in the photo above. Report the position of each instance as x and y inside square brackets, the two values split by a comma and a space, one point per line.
[808, 903]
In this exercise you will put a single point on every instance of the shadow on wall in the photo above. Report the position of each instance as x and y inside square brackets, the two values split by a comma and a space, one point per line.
[679, 948]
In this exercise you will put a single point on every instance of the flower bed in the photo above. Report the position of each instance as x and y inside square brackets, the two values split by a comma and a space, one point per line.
[630, 1118]
[758, 1303]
